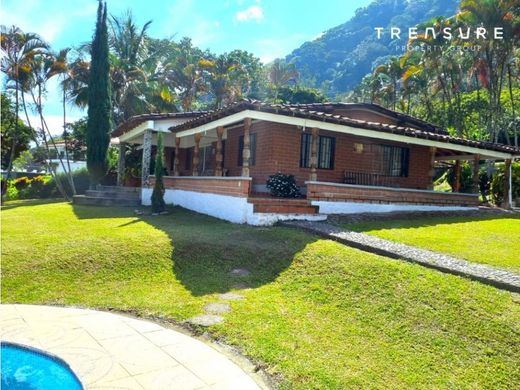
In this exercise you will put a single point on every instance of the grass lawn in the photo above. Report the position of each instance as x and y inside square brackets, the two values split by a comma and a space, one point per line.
[318, 314]
[490, 240]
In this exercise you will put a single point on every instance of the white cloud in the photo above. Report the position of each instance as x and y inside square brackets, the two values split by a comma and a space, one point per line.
[254, 12]
[268, 49]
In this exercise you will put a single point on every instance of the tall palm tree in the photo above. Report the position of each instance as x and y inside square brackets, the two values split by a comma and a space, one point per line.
[225, 78]
[280, 73]
[18, 48]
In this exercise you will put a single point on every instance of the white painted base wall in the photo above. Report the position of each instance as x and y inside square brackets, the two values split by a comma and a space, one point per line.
[327, 207]
[229, 208]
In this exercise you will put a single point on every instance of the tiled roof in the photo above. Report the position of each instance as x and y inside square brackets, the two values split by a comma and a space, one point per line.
[323, 112]
[138, 119]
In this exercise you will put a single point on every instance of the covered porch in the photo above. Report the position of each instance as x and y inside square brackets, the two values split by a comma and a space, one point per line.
[218, 166]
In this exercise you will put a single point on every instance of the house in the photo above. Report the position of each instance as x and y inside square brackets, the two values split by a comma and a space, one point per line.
[347, 158]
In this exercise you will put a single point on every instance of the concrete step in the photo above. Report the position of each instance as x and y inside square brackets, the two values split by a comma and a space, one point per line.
[103, 201]
[285, 209]
[278, 201]
[113, 194]
[118, 189]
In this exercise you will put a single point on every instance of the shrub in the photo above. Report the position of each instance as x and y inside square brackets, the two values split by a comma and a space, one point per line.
[22, 183]
[283, 186]
[158, 205]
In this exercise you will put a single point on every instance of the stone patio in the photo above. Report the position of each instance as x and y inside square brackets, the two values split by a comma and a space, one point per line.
[112, 351]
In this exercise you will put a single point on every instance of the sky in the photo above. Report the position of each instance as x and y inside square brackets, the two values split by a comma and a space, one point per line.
[267, 28]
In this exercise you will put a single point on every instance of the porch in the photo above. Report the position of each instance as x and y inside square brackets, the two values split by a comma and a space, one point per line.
[218, 165]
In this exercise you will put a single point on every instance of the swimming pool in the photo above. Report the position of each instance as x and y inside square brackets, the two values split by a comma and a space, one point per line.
[30, 368]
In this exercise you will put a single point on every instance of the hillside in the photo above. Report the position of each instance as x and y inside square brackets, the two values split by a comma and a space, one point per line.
[339, 59]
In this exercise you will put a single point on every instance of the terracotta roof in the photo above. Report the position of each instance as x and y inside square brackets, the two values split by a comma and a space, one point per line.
[318, 112]
[138, 119]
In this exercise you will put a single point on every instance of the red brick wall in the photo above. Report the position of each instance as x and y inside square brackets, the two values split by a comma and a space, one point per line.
[341, 193]
[233, 187]
[278, 150]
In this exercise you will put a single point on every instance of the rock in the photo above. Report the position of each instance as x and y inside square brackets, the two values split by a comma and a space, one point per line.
[240, 272]
[206, 320]
[231, 296]
[217, 308]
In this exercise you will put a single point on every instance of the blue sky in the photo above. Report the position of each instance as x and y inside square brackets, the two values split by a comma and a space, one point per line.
[267, 28]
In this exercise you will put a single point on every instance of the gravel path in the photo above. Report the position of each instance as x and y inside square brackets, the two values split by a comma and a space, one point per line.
[497, 277]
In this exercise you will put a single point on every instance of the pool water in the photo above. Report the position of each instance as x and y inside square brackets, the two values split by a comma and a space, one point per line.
[26, 368]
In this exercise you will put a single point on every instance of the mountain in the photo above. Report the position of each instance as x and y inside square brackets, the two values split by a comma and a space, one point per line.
[337, 60]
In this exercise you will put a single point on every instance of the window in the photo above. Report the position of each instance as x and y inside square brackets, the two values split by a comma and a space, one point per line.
[395, 161]
[252, 147]
[326, 146]
[189, 159]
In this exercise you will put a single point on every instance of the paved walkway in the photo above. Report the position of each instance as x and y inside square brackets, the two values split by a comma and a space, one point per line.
[109, 351]
[497, 277]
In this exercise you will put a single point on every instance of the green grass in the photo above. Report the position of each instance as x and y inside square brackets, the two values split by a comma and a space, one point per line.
[490, 240]
[319, 315]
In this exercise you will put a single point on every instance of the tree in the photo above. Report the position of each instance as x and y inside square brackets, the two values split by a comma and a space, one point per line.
[99, 121]
[280, 74]
[300, 95]
[158, 205]
[19, 136]
[17, 49]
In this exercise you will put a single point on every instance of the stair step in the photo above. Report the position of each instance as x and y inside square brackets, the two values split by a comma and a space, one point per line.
[101, 201]
[112, 194]
[278, 201]
[118, 189]
[286, 209]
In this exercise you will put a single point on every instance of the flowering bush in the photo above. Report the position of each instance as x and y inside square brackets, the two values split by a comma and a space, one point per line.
[22, 183]
[283, 186]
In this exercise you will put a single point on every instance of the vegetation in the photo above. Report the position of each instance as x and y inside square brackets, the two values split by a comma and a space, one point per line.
[318, 314]
[283, 186]
[99, 124]
[493, 240]
[158, 205]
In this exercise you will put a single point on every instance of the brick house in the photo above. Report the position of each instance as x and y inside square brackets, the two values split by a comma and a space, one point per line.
[347, 158]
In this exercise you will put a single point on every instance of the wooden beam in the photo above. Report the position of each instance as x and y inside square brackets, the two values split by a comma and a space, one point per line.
[176, 162]
[314, 154]
[431, 173]
[457, 168]
[218, 156]
[246, 152]
[474, 176]
[196, 151]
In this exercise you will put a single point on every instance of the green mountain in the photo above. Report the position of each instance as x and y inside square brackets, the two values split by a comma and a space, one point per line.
[337, 60]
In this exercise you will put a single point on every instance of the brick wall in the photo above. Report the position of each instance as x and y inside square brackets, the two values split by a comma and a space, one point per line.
[350, 193]
[278, 150]
[224, 186]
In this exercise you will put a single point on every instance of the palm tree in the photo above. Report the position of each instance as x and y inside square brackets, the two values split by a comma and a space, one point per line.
[279, 74]
[224, 78]
[393, 72]
[184, 72]
[17, 49]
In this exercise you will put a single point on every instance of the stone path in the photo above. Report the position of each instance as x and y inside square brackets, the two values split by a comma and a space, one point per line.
[215, 309]
[111, 351]
[497, 277]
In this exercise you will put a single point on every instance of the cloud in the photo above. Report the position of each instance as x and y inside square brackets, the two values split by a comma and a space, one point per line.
[254, 12]
[268, 49]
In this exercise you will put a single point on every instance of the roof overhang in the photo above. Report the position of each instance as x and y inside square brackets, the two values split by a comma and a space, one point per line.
[339, 128]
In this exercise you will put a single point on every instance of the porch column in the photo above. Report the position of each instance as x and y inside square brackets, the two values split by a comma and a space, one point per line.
[246, 153]
[431, 173]
[457, 168]
[147, 156]
[196, 150]
[314, 154]
[121, 164]
[218, 156]
[508, 193]
[176, 171]
[474, 177]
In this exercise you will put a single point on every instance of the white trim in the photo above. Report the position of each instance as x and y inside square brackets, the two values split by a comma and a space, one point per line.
[325, 183]
[231, 119]
[136, 131]
[328, 207]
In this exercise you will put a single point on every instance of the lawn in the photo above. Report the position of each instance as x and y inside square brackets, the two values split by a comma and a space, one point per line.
[318, 314]
[490, 240]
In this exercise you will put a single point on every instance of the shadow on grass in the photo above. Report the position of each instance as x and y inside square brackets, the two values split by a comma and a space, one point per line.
[206, 250]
